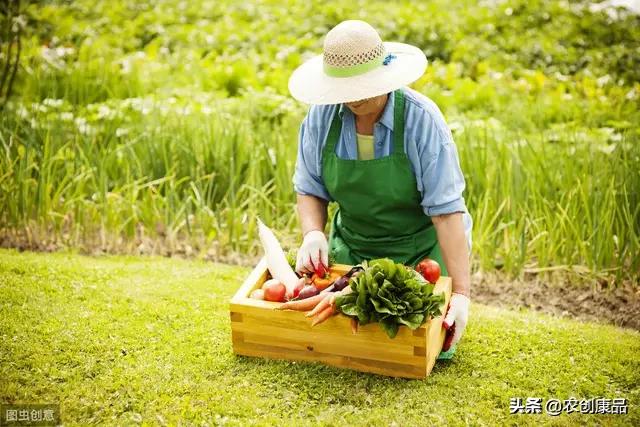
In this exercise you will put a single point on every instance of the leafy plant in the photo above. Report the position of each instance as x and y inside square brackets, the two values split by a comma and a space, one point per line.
[391, 294]
[168, 128]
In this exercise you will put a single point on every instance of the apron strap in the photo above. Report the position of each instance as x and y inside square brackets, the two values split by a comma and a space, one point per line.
[334, 133]
[398, 122]
[398, 126]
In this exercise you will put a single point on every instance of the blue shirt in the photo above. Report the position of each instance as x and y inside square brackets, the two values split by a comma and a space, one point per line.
[428, 144]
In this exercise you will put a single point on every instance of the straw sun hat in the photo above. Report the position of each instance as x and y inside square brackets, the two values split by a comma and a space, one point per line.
[356, 64]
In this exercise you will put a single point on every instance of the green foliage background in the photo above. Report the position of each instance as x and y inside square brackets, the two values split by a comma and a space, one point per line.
[167, 127]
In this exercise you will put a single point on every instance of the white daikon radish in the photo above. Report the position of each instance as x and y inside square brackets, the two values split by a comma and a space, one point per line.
[276, 259]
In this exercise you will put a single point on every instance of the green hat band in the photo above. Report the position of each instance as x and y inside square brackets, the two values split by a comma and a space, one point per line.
[353, 70]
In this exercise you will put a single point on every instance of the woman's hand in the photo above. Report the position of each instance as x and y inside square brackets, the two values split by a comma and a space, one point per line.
[312, 212]
[455, 320]
[455, 254]
[313, 252]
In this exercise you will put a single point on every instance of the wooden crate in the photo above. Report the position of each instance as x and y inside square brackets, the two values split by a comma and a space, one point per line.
[259, 330]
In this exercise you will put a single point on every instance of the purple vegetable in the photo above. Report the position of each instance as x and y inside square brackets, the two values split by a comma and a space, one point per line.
[340, 284]
[307, 292]
[343, 281]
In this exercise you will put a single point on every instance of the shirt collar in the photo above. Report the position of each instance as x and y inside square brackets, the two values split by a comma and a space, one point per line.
[387, 114]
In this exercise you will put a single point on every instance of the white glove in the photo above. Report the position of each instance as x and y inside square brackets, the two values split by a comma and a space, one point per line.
[312, 252]
[457, 316]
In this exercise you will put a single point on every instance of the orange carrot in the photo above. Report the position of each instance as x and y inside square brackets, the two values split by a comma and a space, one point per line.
[301, 305]
[354, 325]
[324, 315]
[324, 303]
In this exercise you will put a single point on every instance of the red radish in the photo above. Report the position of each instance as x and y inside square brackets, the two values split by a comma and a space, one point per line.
[257, 294]
[429, 269]
[321, 270]
[275, 291]
[298, 289]
[451, 330]
[276, 260]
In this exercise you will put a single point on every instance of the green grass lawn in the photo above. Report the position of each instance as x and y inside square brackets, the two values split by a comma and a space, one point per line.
[125, 340]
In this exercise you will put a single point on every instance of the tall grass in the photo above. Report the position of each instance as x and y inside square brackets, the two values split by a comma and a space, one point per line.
[139, 131]
[183, 176]
[571, 204]
[163, 170]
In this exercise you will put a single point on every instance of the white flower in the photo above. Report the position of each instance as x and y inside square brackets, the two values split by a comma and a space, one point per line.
[51, 102]
[104, 112]
[607, 148]
[126, 66]
[184, 111]
[39, 107]
[23, 112]
[272, 155]
[601, 81]
[83, 126]
[64, 51]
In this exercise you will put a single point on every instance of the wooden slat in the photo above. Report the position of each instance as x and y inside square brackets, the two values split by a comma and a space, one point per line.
[344, 349]
[236, 337]
[435, 331]
[338, 330]
[346, 346]
[364, 365]
[339, 323]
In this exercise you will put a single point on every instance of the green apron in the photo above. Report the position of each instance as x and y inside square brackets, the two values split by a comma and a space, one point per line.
[379, 213]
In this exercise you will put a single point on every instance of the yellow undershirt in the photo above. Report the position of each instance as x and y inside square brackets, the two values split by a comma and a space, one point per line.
[365, 146]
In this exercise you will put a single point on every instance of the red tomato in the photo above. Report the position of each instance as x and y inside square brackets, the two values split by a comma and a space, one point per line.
[274, 291]
[429, 269]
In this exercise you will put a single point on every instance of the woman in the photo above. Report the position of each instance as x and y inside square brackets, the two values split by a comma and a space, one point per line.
[384, 153]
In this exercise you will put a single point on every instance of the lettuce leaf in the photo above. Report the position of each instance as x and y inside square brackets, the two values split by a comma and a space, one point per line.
[391, 294]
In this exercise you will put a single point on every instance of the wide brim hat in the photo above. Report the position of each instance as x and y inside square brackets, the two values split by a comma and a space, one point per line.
[355, 65]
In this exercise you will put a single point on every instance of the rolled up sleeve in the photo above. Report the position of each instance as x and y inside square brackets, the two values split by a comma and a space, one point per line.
[307, 178]
[443, 182]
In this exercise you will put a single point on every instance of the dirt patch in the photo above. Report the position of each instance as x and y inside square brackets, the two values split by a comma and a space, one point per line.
[619, 306]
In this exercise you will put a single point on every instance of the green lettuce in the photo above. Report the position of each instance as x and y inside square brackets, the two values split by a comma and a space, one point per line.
[392, 295]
